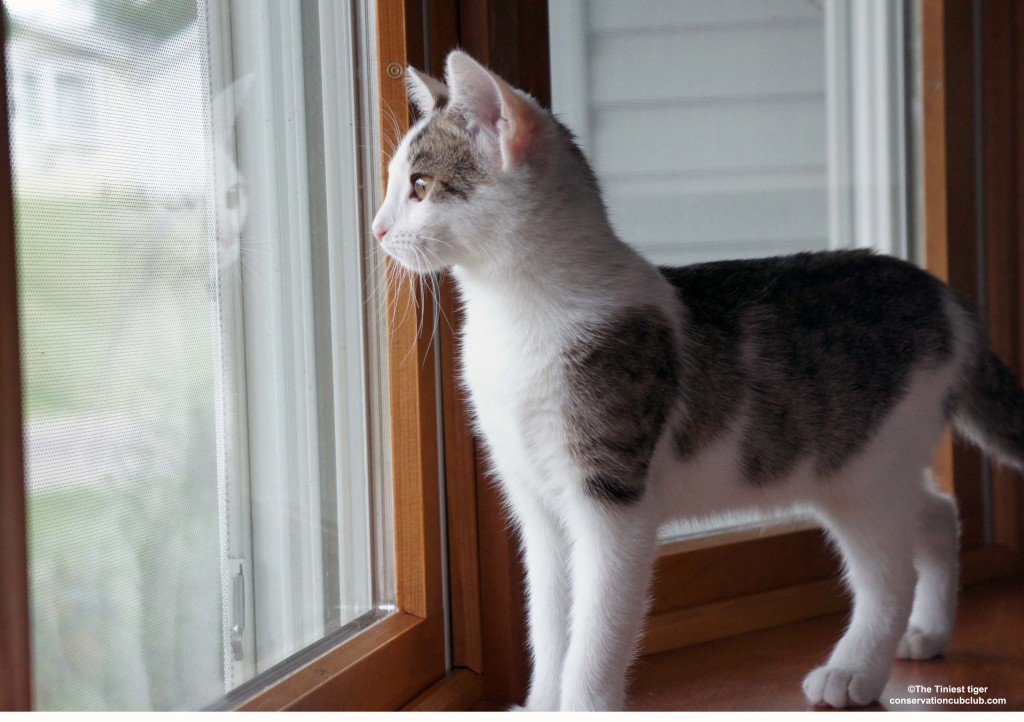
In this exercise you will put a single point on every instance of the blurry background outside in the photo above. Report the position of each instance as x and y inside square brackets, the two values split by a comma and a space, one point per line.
[148, 590]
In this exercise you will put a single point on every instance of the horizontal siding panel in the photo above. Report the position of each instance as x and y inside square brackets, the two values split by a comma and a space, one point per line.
[712, 218]
[619, 15]
[757, 180]
[669, 255]
[746, 62]
[660, 140]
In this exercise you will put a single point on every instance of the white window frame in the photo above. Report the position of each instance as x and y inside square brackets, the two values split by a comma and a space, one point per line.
[304, 384]
[866, 110]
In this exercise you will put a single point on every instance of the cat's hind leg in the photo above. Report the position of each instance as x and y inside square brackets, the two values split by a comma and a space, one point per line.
[870, 531]
[936, 548]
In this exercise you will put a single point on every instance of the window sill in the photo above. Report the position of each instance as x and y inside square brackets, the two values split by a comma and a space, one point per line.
[763, 670]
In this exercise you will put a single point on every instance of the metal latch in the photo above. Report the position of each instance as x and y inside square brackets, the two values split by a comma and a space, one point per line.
[238, 614]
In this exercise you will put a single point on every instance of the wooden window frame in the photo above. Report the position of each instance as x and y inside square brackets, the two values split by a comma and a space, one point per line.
[392, 661]
[15, 642]
[705, 588]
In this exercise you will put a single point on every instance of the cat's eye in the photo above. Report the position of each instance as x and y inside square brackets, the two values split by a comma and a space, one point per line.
[421, 185]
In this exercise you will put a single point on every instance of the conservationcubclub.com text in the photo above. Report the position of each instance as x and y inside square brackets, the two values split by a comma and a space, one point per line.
[945, 694]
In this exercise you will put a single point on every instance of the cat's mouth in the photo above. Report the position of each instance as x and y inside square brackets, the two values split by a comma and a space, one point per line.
[413, 255]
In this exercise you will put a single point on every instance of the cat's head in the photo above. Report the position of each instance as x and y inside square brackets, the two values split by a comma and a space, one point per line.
[483, 159]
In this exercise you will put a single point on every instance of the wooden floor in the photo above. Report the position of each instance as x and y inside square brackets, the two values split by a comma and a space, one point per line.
[763, 670]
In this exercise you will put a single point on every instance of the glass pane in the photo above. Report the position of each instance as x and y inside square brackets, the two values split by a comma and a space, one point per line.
[733, 129]
[203, 497]
[724, 129]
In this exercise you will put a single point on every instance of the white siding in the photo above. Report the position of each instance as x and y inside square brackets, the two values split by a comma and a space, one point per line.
[704, 119]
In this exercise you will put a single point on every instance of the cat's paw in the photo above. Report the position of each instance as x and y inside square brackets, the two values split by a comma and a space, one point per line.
[918, 644]
[838, 687]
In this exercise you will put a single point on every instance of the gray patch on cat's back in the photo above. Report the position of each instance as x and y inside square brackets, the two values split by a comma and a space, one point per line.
[819, 348]
[623, 381]
[443, 150]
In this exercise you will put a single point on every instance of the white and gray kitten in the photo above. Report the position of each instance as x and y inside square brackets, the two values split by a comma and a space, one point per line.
[614, 396]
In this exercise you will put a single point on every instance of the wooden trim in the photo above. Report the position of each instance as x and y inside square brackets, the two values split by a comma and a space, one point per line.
[986, 564]
[379, 669]
[691, 579]
[743, 613]
[414, 453]
[950, 219]
[460, 690]
[733, 536]
[951, 210]
[1018, 94]
[461, 474]
[411, 359]
[1002, 129]
[737, 615]
[933, 144]
[15, 659]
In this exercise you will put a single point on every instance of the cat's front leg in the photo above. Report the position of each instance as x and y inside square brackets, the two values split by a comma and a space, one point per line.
[612, 556]
[871, 531]
[546, 551]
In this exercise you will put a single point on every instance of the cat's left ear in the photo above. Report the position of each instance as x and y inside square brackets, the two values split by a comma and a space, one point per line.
[497, 109]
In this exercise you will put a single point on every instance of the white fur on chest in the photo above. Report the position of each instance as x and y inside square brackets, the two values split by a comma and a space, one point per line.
[517, 390]
[514, 343]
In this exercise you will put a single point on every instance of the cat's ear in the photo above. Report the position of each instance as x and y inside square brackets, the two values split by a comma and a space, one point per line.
[425, 92]
[509, 116]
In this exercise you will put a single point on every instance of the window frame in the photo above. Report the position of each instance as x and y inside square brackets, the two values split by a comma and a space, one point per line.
[303, 481]
[406, 647]
[343, 671]
[15, 642]
[394, 660]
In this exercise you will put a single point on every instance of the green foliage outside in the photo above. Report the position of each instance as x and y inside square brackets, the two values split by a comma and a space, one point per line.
[117, 323]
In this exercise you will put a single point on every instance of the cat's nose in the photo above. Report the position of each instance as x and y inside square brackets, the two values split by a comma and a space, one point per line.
[379, 233]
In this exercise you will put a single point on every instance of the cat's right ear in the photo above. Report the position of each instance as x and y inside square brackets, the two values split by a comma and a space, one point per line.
[425, 92]
[505, 115]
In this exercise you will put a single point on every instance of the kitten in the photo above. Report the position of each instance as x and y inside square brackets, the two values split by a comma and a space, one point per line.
[614, 396]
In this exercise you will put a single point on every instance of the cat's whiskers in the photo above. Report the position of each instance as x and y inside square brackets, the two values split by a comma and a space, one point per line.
[393, 138]
[410, 303]
[379, 279]
[435, 279]
[426, 283]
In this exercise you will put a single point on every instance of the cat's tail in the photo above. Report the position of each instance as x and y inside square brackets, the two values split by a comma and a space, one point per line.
[989, 408]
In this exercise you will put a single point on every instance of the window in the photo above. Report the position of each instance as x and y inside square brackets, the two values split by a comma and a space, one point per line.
[726, 130]
[705, 588]
[733, 129]
[206, 371]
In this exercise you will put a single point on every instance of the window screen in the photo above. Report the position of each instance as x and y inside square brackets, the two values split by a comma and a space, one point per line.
[198, 392]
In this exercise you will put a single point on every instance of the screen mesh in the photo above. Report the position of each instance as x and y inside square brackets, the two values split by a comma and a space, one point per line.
[117, 220]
